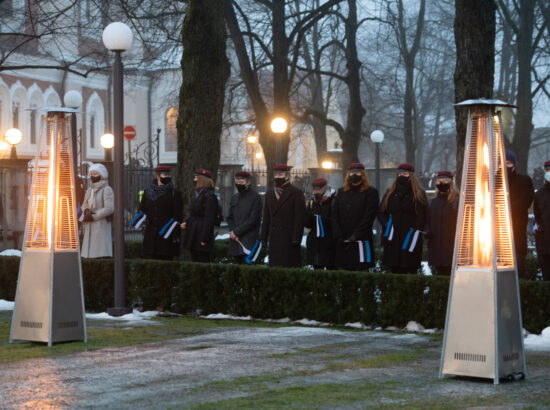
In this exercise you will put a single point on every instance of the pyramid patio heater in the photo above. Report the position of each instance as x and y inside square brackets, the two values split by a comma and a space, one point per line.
[483, 329]
[49, 303]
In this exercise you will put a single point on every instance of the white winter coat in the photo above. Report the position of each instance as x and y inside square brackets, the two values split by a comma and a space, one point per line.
[97, 240]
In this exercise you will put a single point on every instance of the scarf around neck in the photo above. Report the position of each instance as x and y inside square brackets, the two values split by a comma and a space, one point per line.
[155, 191]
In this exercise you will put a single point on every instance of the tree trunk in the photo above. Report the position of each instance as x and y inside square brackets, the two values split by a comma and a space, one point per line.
[205, 70]
[474, 29]
[410, 146]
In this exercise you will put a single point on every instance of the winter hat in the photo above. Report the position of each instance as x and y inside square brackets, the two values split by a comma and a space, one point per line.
[547, 165]
[445, 174]
[165, 169]
[243, 174]
[99, 168]
[282, 168]
[204, 172]
[319, 183]
[356, 166]
[406, 167]
[510, 156]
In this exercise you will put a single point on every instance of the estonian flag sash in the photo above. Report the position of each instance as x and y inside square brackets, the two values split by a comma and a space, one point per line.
[364, 251]
[253, 253]
[389, 230]
[168, 228]
[320, 227]
[138, 220]
[409, 244]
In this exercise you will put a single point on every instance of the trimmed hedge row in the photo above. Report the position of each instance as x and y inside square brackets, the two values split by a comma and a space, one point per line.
[326, 296]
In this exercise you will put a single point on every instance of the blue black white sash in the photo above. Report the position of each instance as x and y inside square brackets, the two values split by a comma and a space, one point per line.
[253, 253]
[320, 227]
[364, 251]
[411, 240]
[138, 220]
[168, 228]
[389, 230]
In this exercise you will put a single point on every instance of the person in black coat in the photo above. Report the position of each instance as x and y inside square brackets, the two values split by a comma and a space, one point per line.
[199, 227]
[245, 214]
[521, 197]
[161, 202]
[403, 217]
[319, 242]
[353, 212]
[283, 221]
[542, 220]
[441, 226]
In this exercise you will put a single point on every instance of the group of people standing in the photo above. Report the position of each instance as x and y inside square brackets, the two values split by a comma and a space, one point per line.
[339, 222]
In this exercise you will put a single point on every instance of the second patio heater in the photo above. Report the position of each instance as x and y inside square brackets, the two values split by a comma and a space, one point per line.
[49, 303]
[483, 329]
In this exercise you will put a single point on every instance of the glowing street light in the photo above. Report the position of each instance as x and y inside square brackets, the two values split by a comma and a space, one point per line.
[251, 139]
[13, 136]
[107, 141]
[327, 164]
[279, 126]
[377, 137]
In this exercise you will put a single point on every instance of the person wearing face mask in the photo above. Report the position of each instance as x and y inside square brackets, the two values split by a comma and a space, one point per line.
[521, 196]
[441, 226]
[353, 212]
[245, 214]
[403, 217]
[199, 227]
[283, 220]
[97, 210]
[161, 202]
[541, 209]
[319, 243]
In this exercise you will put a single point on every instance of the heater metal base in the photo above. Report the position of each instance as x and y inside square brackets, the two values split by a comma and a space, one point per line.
[483, 333]
[49, 304]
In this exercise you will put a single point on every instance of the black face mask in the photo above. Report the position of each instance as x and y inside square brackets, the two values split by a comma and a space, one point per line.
[165, 180]
[95, 179]
[403, 180]
[241, 187]
[354, 178]
[280, 181]
[443, 188]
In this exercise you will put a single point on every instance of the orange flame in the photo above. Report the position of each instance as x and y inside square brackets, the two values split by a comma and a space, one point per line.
[483, 223]
[51, 187]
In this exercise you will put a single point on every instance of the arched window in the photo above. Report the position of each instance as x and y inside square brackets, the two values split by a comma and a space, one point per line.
[33, 126]
[15, 115]
[171, 133]
[92, 131]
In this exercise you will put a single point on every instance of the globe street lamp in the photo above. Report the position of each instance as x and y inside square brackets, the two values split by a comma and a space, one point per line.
[327, 164]
[117, 37]
[73, 99]
[13, 136]
[107, 141]
[279, 126]
[377, 137]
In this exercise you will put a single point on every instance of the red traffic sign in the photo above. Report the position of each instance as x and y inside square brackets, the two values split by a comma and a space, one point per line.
[129, 132]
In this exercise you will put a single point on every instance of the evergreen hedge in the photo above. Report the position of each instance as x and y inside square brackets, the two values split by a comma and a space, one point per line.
[380, 299]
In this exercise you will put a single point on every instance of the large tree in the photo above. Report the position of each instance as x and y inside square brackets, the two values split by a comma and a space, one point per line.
[205, 70]
[475, 25]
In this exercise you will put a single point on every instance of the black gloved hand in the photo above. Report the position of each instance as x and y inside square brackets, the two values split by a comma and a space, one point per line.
[88, 217]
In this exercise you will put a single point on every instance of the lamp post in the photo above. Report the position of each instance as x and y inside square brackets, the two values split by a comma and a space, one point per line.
[117, 37]
[73, 99]
[13, 137]
[377, 137]
[279, 126]
[107, 141]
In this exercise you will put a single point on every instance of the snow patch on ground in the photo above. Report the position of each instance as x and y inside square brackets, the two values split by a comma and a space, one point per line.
[135, 316]
[307, 322]
[355, 325]
[538, 342]
[426, 270]
[6, 305]
[11, 252]
[412, 326]
[223, 236]
[224, 316]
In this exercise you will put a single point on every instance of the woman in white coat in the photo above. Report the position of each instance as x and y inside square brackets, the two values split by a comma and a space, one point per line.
[97, 209]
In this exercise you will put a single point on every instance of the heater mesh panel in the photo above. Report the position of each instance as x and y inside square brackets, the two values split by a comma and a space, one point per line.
[52, 200]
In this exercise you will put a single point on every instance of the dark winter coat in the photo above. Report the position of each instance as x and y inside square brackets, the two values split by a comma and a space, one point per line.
[353, 213]
[283, 226]
[542, 218]
[320, 241]
[406, 219]
[200, 224]
[521, 197]
[245, 214]
[159, 212]
[440, 230]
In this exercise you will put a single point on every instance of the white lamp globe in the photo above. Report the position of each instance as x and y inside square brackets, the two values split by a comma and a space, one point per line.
[107, 141]
[13, 136]
[117, 36]
[377, 136]
[72, 99]
[278, 125]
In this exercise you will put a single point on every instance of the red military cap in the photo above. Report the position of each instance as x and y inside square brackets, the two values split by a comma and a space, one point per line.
[406, 167]
[204, 172]
[547, 165]
[356, 166]
[444, 174]
[319, 182]
[163, 168]
[242, 174]
[282, 167]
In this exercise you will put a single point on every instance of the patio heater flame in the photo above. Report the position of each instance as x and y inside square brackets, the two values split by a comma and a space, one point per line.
[49, 304]
[483, 331]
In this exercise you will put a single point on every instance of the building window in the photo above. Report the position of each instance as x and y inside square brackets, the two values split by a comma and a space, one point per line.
[92, 131]
[171, 134]
[33, 127]
[15, 115]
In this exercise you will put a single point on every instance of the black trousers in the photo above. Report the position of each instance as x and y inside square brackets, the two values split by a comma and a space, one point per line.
[200, 256]
[545, 266]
